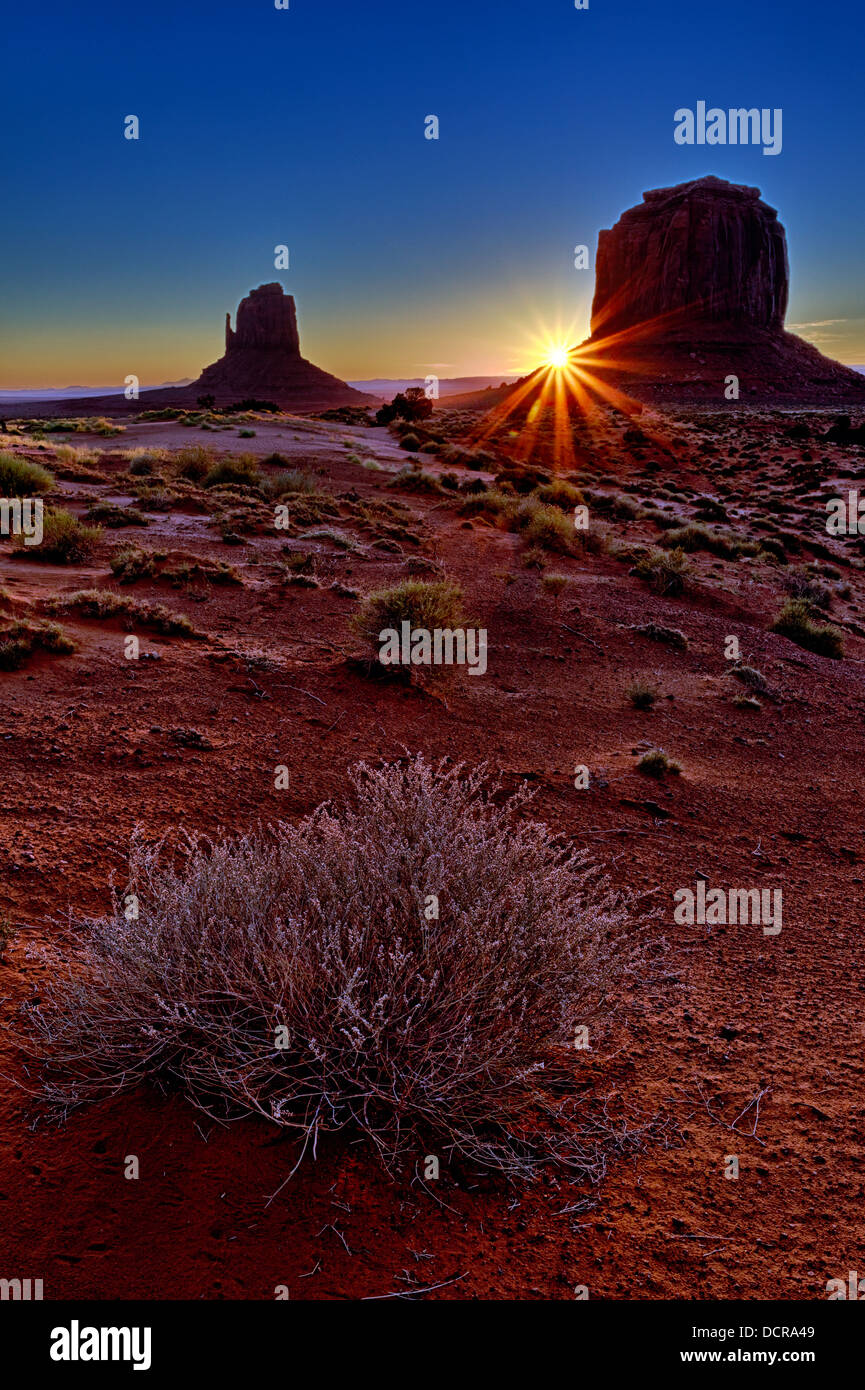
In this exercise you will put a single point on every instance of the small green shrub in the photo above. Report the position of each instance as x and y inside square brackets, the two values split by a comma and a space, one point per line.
[655, 763]
[424, 603]
[795, 621]
[21, 478]
[233, 472]
[642, 693]
[546, 527]
[65, 539]
[664, 571]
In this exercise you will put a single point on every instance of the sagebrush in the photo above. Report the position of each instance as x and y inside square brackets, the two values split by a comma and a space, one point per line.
[301, 974]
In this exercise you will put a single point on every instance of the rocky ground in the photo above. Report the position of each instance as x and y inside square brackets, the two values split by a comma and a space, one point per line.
[752, 1047]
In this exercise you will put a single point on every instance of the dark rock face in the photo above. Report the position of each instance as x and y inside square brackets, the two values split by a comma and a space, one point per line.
[705, 250]
[262, 360]
[266, 318]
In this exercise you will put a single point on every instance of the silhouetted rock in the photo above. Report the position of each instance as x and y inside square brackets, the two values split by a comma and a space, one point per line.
[706, 249]
[262, 360]
[690, 296]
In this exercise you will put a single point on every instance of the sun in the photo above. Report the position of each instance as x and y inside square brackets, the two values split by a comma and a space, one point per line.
[558, 358]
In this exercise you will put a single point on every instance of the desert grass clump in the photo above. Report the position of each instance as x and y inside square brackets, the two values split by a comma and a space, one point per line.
[671, 636]
[559, 493]
[750, 677]
[21, 639]
[555, 584]
[796, 621]
[424, 603]
[65, 539]
[109, 514]
[297, 974]
[415, 480]
[287, 481]
[546, 527]
[21, 478]
[664, 571]
[131, 562]
[656, 764]
[233, 472]
[104, 603]
[800, 584]
[642, 692]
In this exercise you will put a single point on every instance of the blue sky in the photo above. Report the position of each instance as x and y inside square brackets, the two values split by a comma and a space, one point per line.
[305, 127]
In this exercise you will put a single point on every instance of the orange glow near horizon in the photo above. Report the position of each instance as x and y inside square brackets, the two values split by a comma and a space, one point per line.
[566, 385]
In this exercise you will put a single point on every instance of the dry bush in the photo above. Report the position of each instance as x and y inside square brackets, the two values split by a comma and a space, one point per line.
[415, 1032]
[65, 539]
[796, 621]
[424, 603]
[665, 572]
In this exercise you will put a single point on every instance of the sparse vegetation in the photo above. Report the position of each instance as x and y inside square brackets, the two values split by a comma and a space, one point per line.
[671, 636]
[20, 639]
[65, 539]
[233, 472]
[426, 603]
[797, 622]
[750, 676]
[454, 1035]
[104, 603]
[655, 763]
[664, 571]
[642, 693]
[555, 584]
[21, 478]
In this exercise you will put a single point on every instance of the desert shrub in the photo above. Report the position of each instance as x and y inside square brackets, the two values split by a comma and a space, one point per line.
[656, 632]
[559, 493]
[233, 472]
[490, 502]
[555, 584]
[802, 585]
[190, 569]
[546, 527]
[293, 974]
[750, 676]
[425, 603]
[21, 639]
[663, 571]
[141, 464]
[415, 480]
[130, 562]
[716, 541]
[21, 478]
[194, 462]
[411, 404]
[85, 424]
[104, 603]
[796, 621]
[642, 693]
[65, 539]
[109, 514]
[655, 763]
[287, 480]
[409, 441]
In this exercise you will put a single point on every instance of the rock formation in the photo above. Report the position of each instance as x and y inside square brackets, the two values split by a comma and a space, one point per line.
[691, 289]
[702, 250]
[262, 360]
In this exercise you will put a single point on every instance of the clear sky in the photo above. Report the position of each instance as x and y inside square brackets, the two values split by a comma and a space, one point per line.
[306, 127]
